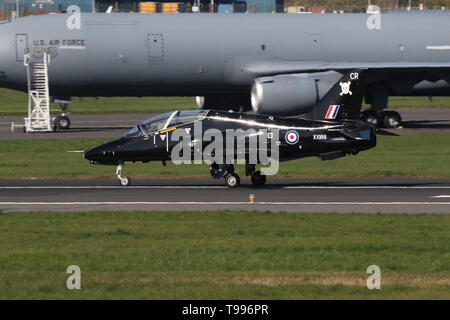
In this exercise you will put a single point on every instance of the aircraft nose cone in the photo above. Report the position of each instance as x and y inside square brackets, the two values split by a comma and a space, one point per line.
[107, 151]
[92, 154]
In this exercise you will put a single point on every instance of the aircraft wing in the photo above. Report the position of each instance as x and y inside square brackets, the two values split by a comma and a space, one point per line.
[286, 67]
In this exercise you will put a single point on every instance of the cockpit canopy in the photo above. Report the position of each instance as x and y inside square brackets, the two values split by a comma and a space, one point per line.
[166, 120]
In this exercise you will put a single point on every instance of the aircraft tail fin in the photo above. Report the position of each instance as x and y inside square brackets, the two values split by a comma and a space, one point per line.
[344, 100]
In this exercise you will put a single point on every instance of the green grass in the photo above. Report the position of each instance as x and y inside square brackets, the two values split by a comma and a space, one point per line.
[418, 102]
[15, 102]
[412, 154]
[223, 255]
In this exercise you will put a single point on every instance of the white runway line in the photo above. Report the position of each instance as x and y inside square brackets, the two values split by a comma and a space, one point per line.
[441, 197]
[367, 187]
[114, 187]
[218, 203]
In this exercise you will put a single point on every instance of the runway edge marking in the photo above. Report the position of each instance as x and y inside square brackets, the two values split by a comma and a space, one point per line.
[221, 187]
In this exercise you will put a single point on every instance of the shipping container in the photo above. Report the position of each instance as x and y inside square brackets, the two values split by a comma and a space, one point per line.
[239, 7]
[172, 7]
[148, 7]
[225, 8]
[260, 6]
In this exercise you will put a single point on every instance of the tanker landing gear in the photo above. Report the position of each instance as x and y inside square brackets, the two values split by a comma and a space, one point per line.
[378, 98]
[385, 119]
[124, 180]
[391, 119]
[62, 122]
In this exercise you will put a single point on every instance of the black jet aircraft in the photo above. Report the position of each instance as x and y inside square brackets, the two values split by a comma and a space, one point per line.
[334, 132]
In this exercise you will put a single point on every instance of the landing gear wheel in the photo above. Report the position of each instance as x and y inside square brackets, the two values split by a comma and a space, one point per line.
[391, 119]
[61, 123]
[232, 180]
[370, 117]
[125, 181]
[258, 179]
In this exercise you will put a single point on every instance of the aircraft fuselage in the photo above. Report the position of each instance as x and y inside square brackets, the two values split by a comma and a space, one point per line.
[200, 54]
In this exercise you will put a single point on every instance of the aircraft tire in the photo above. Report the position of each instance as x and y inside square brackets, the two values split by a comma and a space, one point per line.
[258, 179]
[370, 117]
[391, 119]
[232, 180]
[62, 122]
[125, 181]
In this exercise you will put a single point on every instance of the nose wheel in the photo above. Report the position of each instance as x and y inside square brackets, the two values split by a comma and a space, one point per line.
[61, 123]
[124, 180]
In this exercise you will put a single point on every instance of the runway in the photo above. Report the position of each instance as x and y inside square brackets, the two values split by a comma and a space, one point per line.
[82, 126]
[114, 125]
[380, 195]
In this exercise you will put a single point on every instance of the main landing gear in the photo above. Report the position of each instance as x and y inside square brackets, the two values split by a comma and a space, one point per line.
[385, 119]
[217, 171]
[226, 172]
[124, 180]
[232, 180]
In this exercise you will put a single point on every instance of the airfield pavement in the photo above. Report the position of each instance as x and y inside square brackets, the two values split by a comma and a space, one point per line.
[371, 195]
[114, 125]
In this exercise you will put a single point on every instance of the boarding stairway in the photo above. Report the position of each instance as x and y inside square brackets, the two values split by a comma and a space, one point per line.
[39, 118]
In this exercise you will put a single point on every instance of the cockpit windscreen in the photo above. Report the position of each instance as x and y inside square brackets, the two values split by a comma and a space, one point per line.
[166, 120]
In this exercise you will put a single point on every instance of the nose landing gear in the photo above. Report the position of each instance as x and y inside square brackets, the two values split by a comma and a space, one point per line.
[62, 122]
[124, 180]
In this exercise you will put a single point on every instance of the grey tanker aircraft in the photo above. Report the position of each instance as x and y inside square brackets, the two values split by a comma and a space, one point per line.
[184, 134]
[278, 64]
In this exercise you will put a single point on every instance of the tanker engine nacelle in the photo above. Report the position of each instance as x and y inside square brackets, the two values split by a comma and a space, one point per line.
[234, 102]
[286, 94]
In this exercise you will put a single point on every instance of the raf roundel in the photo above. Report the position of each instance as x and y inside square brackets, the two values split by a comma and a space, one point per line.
[292, 137]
